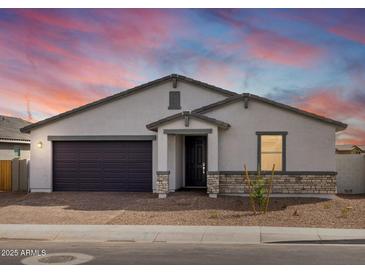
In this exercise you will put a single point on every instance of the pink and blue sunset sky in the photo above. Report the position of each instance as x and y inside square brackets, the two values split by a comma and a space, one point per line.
[55, 60]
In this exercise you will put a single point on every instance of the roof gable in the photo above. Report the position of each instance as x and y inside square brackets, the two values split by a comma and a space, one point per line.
[187, 114]
[175, 78]
[247, 96]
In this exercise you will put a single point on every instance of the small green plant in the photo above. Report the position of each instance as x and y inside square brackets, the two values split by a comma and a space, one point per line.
[327, 206]
[259, 191]
[345, 211]
[213, 215]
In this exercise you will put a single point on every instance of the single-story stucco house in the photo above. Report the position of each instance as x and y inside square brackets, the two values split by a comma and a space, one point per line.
[177, 132]
[13, 143]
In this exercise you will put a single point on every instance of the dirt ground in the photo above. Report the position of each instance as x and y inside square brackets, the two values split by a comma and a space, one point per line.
[180, 208]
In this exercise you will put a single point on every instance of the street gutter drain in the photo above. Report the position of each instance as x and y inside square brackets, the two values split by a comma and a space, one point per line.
[57, 259]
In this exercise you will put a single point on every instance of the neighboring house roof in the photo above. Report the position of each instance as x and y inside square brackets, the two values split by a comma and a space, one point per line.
[248, 96]
[187, 114]
[349, 148]
[10, 129]
[174, 77]
[233, 97]
[344, 147]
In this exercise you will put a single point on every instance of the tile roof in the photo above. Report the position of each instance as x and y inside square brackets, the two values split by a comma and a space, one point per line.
[10, 128]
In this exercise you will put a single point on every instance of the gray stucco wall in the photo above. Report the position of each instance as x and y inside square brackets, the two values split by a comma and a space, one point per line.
[7, 151]
[179, 162]
[171, 159]
[310, 143]
[127, 116]
[350, 173]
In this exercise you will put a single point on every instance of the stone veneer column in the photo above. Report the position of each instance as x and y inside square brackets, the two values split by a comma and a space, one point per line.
[213, 184]
[162, 183]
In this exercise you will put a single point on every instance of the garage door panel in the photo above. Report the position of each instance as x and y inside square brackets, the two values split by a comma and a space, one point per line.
[115, 164]
[121, 156]
[102, 166]
[85, 156]
[65, 164]
[62, 156]
[66, 187]
[84, 176]
[137, 180]
[139, 176]
[137, 165]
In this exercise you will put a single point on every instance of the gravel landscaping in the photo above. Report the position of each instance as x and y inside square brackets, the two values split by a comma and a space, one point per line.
[180, 208]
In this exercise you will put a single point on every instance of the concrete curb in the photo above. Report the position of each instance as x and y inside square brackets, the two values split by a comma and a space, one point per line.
[175, 234]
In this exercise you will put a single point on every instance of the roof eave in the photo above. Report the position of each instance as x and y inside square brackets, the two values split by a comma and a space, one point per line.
[11, 140]
[338, 125]
[155, 125]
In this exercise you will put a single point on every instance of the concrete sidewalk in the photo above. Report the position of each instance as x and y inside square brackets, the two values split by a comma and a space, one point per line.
[176, 234]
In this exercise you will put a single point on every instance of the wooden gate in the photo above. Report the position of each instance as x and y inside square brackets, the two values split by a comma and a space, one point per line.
[5, 175]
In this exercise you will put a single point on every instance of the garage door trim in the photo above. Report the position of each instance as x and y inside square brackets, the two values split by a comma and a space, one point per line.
[68, 177]
[101, 137]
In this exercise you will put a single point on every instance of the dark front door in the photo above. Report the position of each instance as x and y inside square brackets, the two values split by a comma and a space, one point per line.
[195, 161]
[102, 166]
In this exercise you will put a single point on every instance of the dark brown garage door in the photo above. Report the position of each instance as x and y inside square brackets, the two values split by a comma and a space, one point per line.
[102, 166]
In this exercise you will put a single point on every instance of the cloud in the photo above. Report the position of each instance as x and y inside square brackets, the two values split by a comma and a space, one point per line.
[333, 104]
[285, 94]
[352, 135]
[351, 26]
[55, 60]
[344, 23]
[44, 60]
[275, 48]
[354, 33]
[266, 45]
[330, 102]
[56, 18]
[218, 72]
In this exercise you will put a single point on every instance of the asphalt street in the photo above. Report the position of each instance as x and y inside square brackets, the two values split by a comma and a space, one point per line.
[125, 253]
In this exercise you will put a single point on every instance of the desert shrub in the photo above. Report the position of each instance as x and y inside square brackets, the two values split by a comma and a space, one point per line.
[259, 189]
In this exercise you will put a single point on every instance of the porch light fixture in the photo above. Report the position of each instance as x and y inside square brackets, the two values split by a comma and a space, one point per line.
[39, 144]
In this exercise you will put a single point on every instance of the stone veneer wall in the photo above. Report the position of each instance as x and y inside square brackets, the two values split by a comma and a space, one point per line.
[282, 184]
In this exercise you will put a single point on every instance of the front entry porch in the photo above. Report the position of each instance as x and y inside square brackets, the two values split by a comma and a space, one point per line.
[187, 163]
[187, 152]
